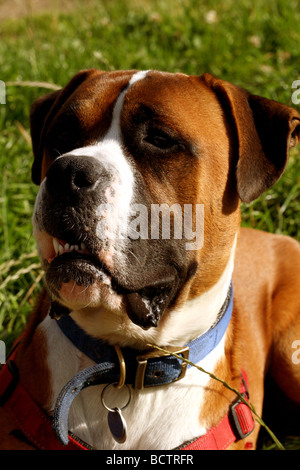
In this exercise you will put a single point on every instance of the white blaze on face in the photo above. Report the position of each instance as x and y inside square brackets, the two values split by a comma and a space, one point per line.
[113, 213]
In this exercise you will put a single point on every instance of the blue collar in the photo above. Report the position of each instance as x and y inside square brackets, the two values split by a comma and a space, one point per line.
[140, 369]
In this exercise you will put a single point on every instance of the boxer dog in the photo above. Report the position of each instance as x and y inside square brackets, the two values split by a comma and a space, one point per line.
[112, 149]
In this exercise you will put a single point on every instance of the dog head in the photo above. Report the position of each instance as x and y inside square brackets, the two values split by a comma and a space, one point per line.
[113, 151]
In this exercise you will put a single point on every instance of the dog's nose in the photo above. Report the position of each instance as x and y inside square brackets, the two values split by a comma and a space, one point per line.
[72, 175]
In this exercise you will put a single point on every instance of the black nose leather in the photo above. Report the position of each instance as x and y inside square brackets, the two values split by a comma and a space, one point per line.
[71, 176]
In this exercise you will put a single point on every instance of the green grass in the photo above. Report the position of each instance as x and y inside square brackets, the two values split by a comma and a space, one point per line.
[253, 44]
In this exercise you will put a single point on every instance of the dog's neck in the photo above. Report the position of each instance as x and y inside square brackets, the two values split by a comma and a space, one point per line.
[173, 330]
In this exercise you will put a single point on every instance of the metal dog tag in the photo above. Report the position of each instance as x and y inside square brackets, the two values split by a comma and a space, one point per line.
[117, 425]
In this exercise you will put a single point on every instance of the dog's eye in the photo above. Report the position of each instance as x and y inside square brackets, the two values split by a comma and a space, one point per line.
[160, 139]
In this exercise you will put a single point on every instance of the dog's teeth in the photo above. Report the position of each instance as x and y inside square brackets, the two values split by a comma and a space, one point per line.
[60, 249]
[55, 245]
[74, 248]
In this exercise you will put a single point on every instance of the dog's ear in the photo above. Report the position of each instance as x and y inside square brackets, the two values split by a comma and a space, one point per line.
[265, 130]
[42, 112]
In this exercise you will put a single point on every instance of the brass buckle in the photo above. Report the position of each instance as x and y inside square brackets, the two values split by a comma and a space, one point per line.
[122, 366]
[142, 361]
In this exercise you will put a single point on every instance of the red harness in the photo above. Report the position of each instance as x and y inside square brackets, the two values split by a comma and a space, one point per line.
[36, 425]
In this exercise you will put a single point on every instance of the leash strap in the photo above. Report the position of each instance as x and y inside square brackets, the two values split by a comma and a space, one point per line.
[236, 425]
[35, 425]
